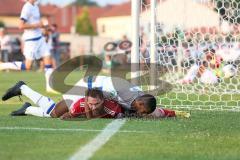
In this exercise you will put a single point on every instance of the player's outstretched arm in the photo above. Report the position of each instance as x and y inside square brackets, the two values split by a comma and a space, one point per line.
[66, 116]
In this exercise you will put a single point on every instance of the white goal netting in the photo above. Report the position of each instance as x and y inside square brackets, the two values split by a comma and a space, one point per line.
[198, 52]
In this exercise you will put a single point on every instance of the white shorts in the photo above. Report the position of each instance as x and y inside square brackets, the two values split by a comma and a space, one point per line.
[47, 105]
[36, 49]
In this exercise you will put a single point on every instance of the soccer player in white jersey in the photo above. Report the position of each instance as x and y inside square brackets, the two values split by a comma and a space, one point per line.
[35, 46]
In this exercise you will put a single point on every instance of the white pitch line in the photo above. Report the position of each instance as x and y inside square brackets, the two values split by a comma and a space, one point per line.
[87, 151]
[49, 129]
[67, 129]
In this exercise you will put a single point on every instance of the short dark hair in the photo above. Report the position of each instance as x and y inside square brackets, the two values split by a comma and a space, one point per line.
[149, 102]
[94, 92]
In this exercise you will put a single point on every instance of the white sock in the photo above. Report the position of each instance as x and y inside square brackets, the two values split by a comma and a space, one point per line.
[36, 111]
[18, 65]
[48, 72]
[31, 94]
[43, 102]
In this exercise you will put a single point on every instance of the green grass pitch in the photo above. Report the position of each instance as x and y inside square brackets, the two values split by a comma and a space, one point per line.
[205, 136]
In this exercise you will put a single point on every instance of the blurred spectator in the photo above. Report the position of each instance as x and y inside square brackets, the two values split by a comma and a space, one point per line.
[5, 43]
[144, 51]
[55, 45]
[47, 34]
[16, 49]
[124, 38]
[107, 63]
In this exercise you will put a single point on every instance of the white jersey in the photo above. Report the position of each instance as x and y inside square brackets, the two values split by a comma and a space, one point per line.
[208, 77]
[113, 88]
[31, 15]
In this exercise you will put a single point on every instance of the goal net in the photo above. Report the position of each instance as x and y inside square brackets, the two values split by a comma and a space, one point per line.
[197, 49]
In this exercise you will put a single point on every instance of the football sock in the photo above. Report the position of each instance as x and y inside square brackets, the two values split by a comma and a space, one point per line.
[31, 94]
[36, 111]
[48, 71]
[45, 103]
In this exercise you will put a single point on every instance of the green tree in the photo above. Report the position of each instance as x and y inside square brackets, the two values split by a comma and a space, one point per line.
[85, 3]
[83, 24]
[2, 24]
[228, 9]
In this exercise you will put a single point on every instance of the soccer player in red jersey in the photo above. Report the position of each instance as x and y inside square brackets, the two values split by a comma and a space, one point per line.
[93, 105]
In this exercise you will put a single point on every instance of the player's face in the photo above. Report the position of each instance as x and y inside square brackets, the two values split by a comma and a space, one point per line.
[140, 108]
[94, 103]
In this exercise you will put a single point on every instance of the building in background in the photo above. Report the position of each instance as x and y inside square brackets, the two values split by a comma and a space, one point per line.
[115, 22]
[184, 14]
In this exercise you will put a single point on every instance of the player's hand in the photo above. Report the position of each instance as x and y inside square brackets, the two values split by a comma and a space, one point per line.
[88, 111]
[98, 106]
[98, 110]
[66, 116]
[44, 22]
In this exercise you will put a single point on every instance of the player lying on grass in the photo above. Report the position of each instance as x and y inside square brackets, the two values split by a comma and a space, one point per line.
[130, 97]
[93, 105]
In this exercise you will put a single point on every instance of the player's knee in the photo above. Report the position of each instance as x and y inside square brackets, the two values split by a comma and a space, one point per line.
[47, 60]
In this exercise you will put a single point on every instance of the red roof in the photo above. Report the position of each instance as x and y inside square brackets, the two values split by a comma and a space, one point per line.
[65, 17]
[118, 10]
[123, 9]
[10, 7]
[48, 9]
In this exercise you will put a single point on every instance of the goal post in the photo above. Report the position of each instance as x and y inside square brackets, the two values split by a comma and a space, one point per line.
[194, 46]
[135, 57]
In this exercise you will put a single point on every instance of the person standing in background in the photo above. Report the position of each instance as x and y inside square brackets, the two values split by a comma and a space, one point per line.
[55, 45]
[5, 45]
[35, 46]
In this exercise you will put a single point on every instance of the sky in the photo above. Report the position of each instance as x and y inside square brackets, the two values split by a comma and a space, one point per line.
[100, 2]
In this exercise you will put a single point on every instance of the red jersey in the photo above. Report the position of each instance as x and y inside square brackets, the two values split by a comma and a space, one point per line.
[111, 107]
